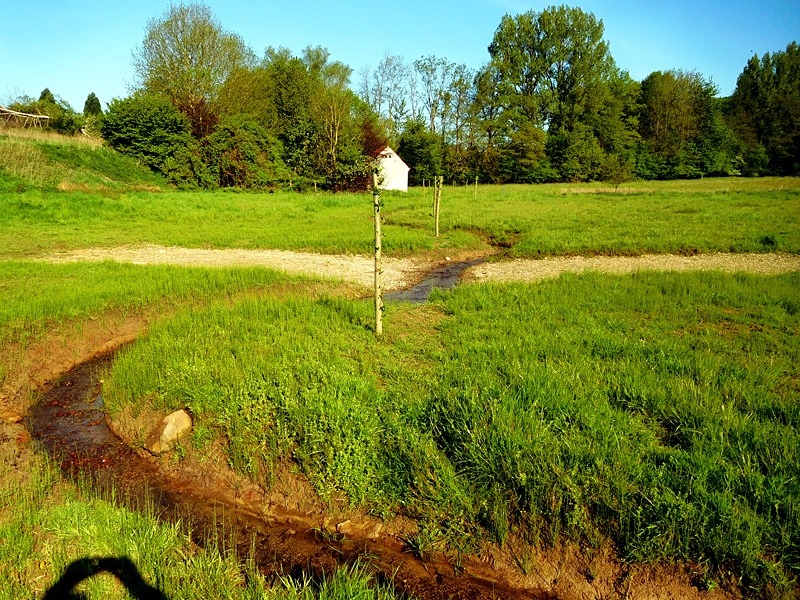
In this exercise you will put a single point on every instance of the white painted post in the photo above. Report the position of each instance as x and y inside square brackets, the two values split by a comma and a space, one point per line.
[376, 202]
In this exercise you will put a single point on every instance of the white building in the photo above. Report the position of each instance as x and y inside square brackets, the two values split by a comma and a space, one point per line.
[393, 171]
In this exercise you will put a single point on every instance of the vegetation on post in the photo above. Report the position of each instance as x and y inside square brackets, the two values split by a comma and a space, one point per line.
[437, 202]
[376, 203]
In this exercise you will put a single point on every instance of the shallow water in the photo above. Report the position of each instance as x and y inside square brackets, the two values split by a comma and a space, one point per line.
[445, 278]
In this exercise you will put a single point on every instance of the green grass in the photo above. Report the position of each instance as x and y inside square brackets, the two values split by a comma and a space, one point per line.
[660, 218]
[30, 160]
[530, 220]
[35, 222]
[34, 297]
[50, 528]
[657, 410]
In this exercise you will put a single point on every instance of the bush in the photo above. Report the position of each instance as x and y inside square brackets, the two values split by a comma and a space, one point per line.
[240, 153]
[156, 133]
[62, 118]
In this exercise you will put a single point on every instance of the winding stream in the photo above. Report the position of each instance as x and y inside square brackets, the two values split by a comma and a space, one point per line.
[69, 422]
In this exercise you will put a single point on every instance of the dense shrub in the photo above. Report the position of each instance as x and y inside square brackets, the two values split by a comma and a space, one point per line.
[240, 153]
[156, 133]
[421, 151]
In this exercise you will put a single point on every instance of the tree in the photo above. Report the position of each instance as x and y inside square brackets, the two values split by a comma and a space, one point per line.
[47, 96]
[549, 62]
[386, 88]
[92, 106]
[434, 74]
[551, 65]
[153, 131]
[240, 153]
[681, 121]
[186, 56]
[63, 118]
[420, 150]
[765, 112]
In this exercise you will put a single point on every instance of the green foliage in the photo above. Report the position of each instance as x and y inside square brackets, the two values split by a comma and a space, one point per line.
[47, 96]
[186, 57]
[765, 112]
[92, 106]
[243, 154]
[682, 127]
[556, 74]
[616, 171]
[62, 118]
[153, 131]
[420, 149]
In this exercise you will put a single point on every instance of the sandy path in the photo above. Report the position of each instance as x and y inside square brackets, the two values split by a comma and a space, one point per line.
[534, 270]
[400, 273]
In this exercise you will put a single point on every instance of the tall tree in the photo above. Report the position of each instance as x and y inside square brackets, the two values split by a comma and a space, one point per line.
[461, 89]
[186, 56]
[92, 106]
[551, 64]
[681, 125]
[765, 112]
[47, 96]
[421, 151]
[434, 76]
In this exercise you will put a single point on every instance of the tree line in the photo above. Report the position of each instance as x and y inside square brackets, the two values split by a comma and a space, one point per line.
[549, 105]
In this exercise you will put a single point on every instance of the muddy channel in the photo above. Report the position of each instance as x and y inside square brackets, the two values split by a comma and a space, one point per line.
[69, 422]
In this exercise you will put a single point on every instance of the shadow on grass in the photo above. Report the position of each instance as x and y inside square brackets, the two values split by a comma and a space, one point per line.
[122, 568]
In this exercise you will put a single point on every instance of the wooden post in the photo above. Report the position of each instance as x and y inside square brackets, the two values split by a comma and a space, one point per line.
[437, 201]
[475, 197]
[376, 202]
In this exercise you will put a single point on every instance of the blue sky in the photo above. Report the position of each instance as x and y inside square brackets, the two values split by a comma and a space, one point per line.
[76, 47]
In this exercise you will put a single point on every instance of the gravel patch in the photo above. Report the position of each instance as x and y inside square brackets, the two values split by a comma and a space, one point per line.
[402, 273]
[398, 273]
[537, 269]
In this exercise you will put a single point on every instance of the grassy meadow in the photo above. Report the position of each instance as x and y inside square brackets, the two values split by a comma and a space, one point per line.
[657, 412]
[529, 222]
[60, 196]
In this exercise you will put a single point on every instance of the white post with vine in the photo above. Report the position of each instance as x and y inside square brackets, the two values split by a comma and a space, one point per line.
[376, 202]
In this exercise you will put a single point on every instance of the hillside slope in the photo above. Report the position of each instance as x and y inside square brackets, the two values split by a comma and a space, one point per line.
[38, 160]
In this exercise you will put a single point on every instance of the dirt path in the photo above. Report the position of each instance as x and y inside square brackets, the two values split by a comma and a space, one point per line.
[534, 270]
[400, 273]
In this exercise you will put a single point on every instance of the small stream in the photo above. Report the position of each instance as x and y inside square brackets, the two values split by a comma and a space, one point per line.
[445, 278]
[69, 423]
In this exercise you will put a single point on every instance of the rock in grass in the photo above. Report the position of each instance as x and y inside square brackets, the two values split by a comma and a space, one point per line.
[171, 428]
